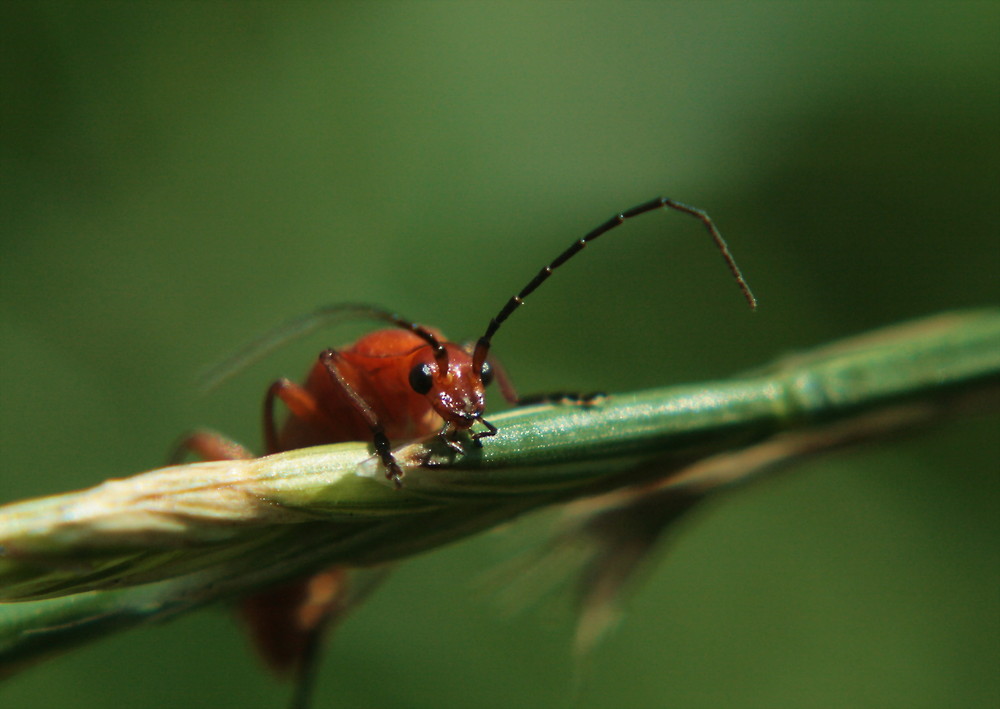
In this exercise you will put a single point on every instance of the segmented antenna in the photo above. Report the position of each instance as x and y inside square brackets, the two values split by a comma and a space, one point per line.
[311, 322]
[483, 345]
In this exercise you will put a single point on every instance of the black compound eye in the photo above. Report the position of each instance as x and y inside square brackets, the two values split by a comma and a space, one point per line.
[421, 378]
[486, 374]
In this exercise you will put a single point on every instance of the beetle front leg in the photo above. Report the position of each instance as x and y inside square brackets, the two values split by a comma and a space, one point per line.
[447, 436]
[384, 451]
[491, 430]
[331, 361]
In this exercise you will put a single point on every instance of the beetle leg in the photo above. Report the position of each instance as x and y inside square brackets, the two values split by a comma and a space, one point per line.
[447, 436]
[503, 381]
[491, 430]
[208, 445]
[302, 405]
[383, 448]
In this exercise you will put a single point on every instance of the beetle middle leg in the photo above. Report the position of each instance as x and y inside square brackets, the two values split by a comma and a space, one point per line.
[301, 404]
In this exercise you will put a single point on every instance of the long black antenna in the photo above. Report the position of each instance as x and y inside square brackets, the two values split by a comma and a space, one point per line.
[483, 345]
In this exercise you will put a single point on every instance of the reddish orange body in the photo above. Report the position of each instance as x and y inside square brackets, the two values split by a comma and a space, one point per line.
[349, 395]
[393, 385]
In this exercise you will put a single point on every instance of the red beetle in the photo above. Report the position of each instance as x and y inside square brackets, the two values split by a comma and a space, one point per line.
[395, 384]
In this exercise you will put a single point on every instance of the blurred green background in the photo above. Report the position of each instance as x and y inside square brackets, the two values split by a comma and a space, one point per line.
[179, 177]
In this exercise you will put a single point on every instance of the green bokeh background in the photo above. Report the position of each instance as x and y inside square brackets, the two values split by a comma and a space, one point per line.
[178, 177]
